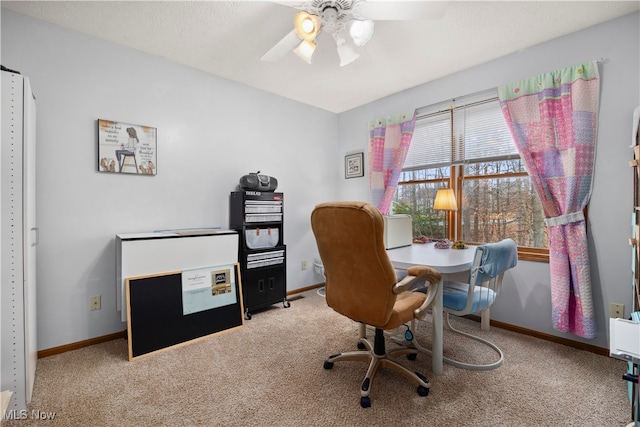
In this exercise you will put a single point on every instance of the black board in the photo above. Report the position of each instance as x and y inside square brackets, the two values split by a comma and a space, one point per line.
[155, 314]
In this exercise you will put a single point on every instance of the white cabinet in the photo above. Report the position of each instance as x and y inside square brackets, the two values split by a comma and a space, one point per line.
[151, 253]
[19, 239]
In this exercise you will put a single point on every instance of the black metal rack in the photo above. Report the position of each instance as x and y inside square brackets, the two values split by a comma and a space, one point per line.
[258, 218]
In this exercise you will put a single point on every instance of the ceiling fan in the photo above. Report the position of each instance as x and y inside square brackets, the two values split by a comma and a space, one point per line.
[342, 18]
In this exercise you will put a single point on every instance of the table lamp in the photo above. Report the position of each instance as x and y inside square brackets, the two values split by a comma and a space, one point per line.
[445, 200]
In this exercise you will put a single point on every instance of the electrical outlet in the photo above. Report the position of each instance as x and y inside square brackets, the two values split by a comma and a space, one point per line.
[616, 310]
[95, 303]
[303, 265]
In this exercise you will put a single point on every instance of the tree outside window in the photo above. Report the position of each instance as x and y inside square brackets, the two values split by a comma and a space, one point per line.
[465, 144]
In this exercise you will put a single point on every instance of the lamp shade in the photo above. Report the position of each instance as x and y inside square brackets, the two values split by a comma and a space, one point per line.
[306, 25]
[445, 200]
[305, 50]
[360, 31]
[346, 53]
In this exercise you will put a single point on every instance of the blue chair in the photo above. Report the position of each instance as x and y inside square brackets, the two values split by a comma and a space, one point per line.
[479, 293]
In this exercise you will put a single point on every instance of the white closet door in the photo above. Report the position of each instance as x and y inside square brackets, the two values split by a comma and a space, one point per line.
[19, 237]
[30, 236]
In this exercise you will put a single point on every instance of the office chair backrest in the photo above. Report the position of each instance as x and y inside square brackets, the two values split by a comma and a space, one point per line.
[493, 259]
[359, 275]
[490, 263]
[485, 279]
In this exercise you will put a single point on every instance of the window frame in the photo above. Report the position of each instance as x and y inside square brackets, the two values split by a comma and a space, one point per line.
[527, 253]
[456, 178]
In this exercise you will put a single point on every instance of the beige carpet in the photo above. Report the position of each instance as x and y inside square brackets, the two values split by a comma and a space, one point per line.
[270, 373]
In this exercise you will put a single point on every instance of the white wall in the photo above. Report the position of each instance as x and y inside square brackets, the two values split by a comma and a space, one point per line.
[526, 300]
[211, 131]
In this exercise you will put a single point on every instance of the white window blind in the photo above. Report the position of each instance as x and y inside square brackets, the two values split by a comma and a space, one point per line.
[484, 132]
[467, 129]
[431, 142]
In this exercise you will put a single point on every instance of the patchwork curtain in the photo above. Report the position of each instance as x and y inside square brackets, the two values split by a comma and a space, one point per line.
[553, 120]
[389, 141]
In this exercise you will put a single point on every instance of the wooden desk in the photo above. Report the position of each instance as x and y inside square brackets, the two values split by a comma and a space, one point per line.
[445, 261]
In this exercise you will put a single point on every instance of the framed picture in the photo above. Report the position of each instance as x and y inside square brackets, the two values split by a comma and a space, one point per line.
[354, 165]
[126, 148]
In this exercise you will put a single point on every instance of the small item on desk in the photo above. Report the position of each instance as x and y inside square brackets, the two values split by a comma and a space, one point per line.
[459, 245]
[442, 244]
[420, 239]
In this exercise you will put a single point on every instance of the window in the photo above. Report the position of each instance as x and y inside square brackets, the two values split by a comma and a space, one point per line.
[465, 144]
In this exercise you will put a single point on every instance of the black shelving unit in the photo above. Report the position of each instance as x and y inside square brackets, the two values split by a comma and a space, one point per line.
[258, 218]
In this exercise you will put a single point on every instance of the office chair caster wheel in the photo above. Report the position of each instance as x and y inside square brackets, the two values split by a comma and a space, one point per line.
[286, 304]
[328, 365]
[412, 356]
[365, 402]
[361, 346]
[247, 316]
[422, 391]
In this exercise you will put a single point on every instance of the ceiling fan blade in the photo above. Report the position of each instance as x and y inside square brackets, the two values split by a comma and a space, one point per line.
[281, 48]
[385, 10]
[291, 3]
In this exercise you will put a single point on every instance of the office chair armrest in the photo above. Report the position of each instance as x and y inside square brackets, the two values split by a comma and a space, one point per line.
[415, 273]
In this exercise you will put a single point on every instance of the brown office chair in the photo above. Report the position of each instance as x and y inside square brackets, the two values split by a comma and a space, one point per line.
[361, 284]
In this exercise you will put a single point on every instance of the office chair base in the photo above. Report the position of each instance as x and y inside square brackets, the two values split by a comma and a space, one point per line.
[377, 357]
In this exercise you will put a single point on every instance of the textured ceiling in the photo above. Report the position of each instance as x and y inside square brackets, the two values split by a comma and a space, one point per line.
[228, 38]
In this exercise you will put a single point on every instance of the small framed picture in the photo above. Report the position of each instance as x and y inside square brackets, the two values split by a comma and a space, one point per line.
[354, 165]
[126, 148]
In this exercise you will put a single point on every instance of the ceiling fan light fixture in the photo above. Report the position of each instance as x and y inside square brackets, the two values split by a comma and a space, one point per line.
[306, 25]
[347, 54]
[360, 31]
[305, 50]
